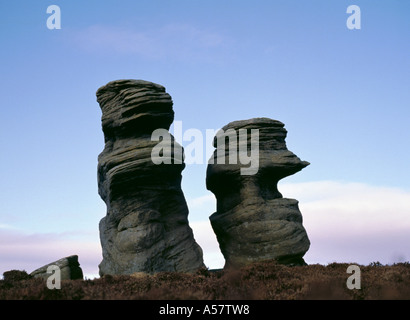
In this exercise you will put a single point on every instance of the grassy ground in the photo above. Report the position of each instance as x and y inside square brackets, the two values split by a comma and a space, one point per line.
[260, 281]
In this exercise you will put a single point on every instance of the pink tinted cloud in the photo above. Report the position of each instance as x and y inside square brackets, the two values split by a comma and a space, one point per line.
[344, 221]
[28, 252]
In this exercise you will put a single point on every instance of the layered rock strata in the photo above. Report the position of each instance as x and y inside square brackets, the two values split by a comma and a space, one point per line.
[253, 222]
[146, 227]
[69, 269]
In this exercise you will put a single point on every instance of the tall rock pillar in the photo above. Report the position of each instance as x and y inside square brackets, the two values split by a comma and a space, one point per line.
[146, 227]
[253, 222]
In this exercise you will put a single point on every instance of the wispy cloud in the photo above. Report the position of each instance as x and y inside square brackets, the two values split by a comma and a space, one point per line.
[6, 226]
[205, 237]
[353, 221]
[23, 251]
[351, 208]
[175, 41]
[201, 201]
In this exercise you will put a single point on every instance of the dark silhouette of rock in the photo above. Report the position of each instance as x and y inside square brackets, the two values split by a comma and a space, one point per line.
[146, 227]
[253, 222]
[69, 269]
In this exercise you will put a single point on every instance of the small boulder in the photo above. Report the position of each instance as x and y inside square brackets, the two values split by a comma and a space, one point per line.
[69, 267]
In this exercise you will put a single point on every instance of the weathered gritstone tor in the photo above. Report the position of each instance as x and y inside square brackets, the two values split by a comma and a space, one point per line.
[146, 227]
[253, 222]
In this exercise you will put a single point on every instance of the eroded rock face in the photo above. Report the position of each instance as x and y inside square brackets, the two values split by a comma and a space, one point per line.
[69, 269]
[253, 222]
[146, 227]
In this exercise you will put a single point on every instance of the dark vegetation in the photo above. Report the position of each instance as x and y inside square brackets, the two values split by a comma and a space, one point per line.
[259, 281]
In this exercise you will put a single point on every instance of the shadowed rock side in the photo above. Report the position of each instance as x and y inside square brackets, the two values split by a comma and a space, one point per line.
[146, 227]
[253, 222]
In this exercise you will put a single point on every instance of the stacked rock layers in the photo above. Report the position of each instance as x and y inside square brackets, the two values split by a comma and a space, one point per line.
[253, 222]
[146, 227]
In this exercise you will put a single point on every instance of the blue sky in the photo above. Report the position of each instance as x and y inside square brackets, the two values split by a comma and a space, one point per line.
[343, 95]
